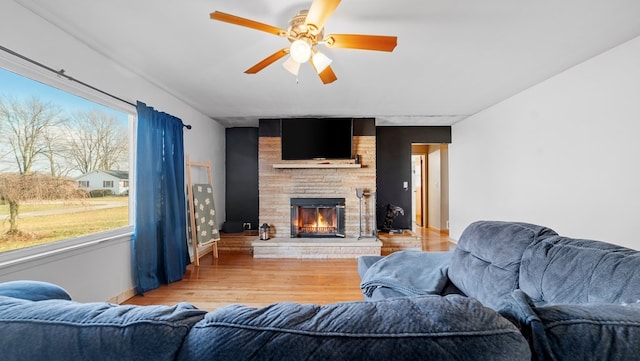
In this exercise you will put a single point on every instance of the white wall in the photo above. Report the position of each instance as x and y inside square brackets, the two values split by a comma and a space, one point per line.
[434, 181]
[564, 153]
[97, 272]
[30, 36]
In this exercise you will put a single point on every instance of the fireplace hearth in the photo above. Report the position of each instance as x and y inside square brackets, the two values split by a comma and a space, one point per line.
[317, 217]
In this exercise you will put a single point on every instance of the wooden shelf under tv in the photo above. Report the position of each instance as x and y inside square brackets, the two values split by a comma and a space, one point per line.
[316, 165]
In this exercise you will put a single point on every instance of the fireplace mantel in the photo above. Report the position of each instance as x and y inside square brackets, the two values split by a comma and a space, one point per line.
[315, 165]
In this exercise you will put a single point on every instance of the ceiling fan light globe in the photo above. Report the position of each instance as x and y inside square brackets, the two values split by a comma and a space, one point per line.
[320, 62]
[292, 66]
[300, 50]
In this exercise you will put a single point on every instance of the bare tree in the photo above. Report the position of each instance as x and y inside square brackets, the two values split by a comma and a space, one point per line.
[33, 131]
[28, 129]
[55, 151]
[15, 188]
[24, 125]
[99, 141]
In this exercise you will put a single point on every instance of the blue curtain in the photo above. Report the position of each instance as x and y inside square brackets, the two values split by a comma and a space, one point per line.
[159, 249]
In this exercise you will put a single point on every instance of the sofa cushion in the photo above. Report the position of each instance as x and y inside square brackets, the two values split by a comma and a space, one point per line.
[486, 260]
[66, 330]
[408, 273]
[33, 290]
[586, 332]
[564, 270]
[576, 332]
[404, 328]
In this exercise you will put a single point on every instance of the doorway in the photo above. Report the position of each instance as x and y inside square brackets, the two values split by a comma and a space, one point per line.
[430, 186]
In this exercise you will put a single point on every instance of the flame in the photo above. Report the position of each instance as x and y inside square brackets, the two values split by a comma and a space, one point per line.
[316, 221]
[321, 222]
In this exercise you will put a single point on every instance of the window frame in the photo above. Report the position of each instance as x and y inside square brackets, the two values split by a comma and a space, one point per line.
[13, 258]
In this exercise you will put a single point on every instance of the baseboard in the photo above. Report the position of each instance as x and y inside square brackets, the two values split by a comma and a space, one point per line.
[122, 296]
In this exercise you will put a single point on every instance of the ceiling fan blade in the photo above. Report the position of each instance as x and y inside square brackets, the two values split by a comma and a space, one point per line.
[267, 61]
[320, 11]
[363, 42]
[232, 19]
[327, 75]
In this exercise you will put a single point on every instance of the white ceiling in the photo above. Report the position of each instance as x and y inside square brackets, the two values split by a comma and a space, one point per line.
[453, 59]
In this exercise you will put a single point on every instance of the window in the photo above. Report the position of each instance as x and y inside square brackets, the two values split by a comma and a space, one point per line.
[53, 145]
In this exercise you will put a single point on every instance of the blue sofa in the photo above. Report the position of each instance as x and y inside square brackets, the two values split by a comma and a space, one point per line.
[39, 321]
[571, 299]
[509, 291]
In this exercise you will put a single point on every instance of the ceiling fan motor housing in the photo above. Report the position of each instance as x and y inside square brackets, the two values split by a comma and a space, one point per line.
[298, 29]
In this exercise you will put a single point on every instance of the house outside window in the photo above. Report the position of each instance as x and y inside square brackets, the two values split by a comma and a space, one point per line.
[72, 136]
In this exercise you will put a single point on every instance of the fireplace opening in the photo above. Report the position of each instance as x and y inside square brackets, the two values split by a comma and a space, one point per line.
[317, 217]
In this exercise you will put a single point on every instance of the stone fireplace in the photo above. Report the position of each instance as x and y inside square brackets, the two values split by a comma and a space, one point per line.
[317, 217]
[280, 181]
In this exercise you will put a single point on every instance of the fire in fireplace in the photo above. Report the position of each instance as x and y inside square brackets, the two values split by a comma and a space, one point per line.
[317, 217]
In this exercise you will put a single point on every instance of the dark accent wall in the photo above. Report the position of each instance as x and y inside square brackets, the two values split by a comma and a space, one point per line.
[364, 127]
[393, 153]
[241, 197]
[361, 127]
[393, 150]
[269, 127]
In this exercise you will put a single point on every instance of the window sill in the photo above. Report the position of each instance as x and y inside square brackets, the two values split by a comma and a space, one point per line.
[62, 248]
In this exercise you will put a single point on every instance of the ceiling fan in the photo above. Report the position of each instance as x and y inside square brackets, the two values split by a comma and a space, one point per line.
[305, 31]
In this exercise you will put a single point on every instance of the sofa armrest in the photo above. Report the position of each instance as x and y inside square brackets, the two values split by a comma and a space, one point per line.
[61, 330]
[407, 273]
[33, 290]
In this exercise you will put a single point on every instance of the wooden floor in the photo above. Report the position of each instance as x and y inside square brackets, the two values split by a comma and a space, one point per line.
[433, 240]
[239, 278]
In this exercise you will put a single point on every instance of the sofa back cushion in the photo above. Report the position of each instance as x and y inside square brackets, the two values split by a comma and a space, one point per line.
[486, 260]
[577, 271]
[403, 328]
[66, 330]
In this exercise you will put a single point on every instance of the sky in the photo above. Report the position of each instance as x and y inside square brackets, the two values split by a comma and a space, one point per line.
[14, 86]
[19, 87]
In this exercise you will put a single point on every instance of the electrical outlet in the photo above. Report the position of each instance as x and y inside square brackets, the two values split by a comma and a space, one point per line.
[246, 225]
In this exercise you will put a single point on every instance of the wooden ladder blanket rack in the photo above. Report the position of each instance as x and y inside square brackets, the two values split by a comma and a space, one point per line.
[203, 228]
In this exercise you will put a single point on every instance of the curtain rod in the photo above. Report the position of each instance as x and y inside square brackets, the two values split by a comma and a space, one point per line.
[62, 74]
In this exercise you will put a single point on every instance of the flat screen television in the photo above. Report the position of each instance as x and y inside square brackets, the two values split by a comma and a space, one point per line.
[316, 138]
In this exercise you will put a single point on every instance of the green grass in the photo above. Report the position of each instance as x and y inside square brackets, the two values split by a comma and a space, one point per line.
[54, 205]
[51, 228]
